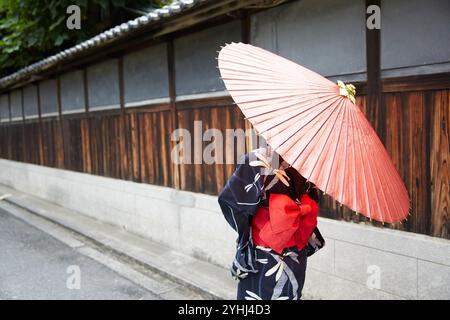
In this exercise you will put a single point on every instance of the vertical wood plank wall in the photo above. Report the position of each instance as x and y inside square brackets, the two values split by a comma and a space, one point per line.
[414, 127]
[136, 145]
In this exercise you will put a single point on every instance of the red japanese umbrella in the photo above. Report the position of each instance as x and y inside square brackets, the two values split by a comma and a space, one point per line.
[315, 125]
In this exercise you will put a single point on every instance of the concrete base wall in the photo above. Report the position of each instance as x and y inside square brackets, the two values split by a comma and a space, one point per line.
[358, 262]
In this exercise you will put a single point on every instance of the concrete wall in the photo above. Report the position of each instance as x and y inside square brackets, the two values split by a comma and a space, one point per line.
[327, 36]
[414, 37]
[409, 265]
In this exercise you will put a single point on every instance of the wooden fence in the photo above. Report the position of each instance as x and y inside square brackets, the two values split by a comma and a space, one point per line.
[135, 144]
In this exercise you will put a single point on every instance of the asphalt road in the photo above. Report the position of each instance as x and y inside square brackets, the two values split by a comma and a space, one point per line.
[34, 265]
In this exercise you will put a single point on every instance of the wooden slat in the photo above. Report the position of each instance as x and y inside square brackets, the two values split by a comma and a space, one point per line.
[208, 170]
[105, 146]
[148, 162]
[135, 147]
[86, 146]
[93, 127]
[415, 159]
[440, 166]
[165, 129]
[230, 148]
[59, 144]
[183, 123]
[439, 81]
[197, 150]
[115, 147]
[217, 116]
[122, 151]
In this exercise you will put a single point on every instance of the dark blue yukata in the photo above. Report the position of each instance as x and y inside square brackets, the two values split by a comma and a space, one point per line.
[264, 274]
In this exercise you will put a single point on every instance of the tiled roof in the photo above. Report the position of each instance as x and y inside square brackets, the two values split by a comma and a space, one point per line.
[111, 34]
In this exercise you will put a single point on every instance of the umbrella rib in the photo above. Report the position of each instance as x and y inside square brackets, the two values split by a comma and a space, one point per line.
[296, 115]
[233, 78]
[360, 124]
[358, 143]
[275, 95]
[238, 51]
[382, 186]
[294, 133]
[338, 106]
[257, 52]
[231, 74]
[236, 62]
[355, 184]
[251, 62]
[248, 54]
[270, 88]
[228, 73]
[295, 104]
[396, 181]
[224, 71]
[262, 99]
[345, 162]
[317, 131]
[250, 89]
[269, 103]
[250, 76]
[336, 147]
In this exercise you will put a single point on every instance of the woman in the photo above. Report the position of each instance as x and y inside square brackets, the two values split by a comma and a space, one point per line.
[274, 211]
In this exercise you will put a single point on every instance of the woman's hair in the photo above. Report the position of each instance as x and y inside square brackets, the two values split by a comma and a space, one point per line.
[298, 185]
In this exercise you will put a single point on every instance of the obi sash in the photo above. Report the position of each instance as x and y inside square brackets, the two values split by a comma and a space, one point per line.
[285, 223]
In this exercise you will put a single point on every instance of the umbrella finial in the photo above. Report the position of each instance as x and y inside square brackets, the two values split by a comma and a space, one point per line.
[347, 90]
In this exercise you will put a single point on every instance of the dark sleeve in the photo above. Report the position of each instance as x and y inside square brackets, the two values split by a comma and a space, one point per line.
[241, 195]
[315, 242]
[239, 201]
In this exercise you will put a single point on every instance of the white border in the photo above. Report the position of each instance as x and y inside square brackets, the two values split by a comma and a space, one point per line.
[146, 102]
[205, 95]
[49, 114]
[32, 117]
[73, 111]
[108, 107]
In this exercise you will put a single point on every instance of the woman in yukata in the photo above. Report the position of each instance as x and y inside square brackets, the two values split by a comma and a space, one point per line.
[274, 211]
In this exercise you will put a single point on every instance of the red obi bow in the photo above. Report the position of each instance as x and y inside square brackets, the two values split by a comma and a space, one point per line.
[285, 223]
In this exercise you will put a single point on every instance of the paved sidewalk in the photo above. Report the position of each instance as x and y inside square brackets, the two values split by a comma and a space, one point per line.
[199, 278]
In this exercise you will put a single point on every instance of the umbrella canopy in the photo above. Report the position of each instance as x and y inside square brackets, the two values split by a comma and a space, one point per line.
[315, 125]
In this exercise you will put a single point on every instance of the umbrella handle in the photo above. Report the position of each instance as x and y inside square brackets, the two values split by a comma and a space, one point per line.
[308, 186]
